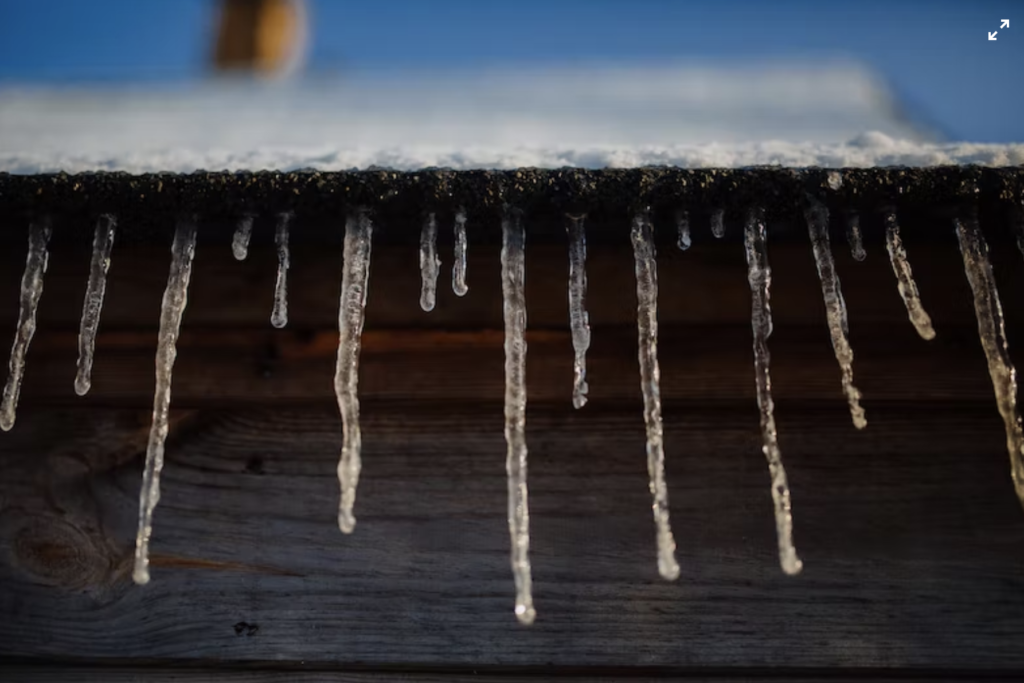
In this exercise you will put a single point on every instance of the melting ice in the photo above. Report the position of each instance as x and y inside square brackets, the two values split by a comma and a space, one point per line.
[718, 223]
[240, 242]
[835, 306]
[683, 229]
[905, 278]
[854, 237]
[759, 274]
[173, 307]
[513, 276]
[579, 321]
[354, 282]
[459, 267]
[989, 312]
[642, 236]
[102, 243]
[279, 316]
[31, 290]
[430, 264]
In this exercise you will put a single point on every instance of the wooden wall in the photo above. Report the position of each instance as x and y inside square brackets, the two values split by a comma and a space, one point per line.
[912, 537]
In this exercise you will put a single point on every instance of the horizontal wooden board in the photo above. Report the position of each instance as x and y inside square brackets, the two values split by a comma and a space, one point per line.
[705, 285]
[913, 544]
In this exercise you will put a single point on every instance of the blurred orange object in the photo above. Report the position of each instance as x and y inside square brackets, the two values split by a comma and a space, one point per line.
[262, 36]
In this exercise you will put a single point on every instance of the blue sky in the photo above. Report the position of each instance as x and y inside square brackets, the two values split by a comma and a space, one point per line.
[935, 54]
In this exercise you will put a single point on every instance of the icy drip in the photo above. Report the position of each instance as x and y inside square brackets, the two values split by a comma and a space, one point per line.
[578, 319]
[513, 277]
[173, 307]
[459, 268]
[835, 306]
[683, 227]
[102, 243]
[430, 264]
[993, 340]
[279, 317]
[718, 223]
[854, 237]
[354, 280]
[240, 242]
[31, 290]
[759, 275]
[905, 278]
[650, 377]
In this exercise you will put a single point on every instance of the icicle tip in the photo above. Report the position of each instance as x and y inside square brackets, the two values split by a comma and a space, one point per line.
[526, 614]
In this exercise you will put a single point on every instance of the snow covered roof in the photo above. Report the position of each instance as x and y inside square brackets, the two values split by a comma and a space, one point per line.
[823, 115]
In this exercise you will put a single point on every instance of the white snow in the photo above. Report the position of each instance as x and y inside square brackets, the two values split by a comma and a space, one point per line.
[831, 115]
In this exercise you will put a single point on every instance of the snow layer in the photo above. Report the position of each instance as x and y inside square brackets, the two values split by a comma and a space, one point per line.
[822, 115]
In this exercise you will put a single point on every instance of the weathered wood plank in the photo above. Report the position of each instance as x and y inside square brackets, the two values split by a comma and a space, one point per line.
[217, 367]
[56, 674]
[705, 285]
[913, 544]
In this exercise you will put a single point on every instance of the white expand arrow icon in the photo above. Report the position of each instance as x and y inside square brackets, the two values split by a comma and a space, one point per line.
[992, 35]
[1005, 24]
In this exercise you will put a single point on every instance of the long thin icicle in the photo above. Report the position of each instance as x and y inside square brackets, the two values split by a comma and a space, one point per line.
[642, 236]
[279, 317]
[854, 237]
[759, 274]
[578, 319]
[989, 312]
[240, 242]
[905, 278]
[835, 306]
[718, 223]
[459, 285]
[354, 282]
[683, 227]
[430, 263]
[102, 243]
[173, 307]
[31, 289]
[513, 278]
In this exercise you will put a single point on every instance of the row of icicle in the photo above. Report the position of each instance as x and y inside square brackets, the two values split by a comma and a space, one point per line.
[355, 279]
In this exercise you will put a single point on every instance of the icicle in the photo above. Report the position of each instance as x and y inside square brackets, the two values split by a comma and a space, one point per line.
[905, 278]
[102, 243]
[279, 317]
[578, 319]
[430, 264]
[835, 306]
[642, 236]
[240, 242]
[759, 274]
[993, 340]
[513, 277]
[459, 268]
[1017, 223]
[354, 281]
[718, 223]
[854, 238]
[683, 226]
[171, 311]
[31, 289]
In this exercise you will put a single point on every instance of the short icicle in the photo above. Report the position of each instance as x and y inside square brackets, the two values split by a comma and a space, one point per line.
[992, 333]
[240, 241]
[31, 290]
[579, 321]
[459, 267]
[683, 228]
[853, 236]
[759, 275]
[279, 316]
[513, 276]
[718, 223]
[642, 236]
[175, 299]
[430, 263]
[102, 243]
[354, 282]
[905, 278]
[835, 306]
